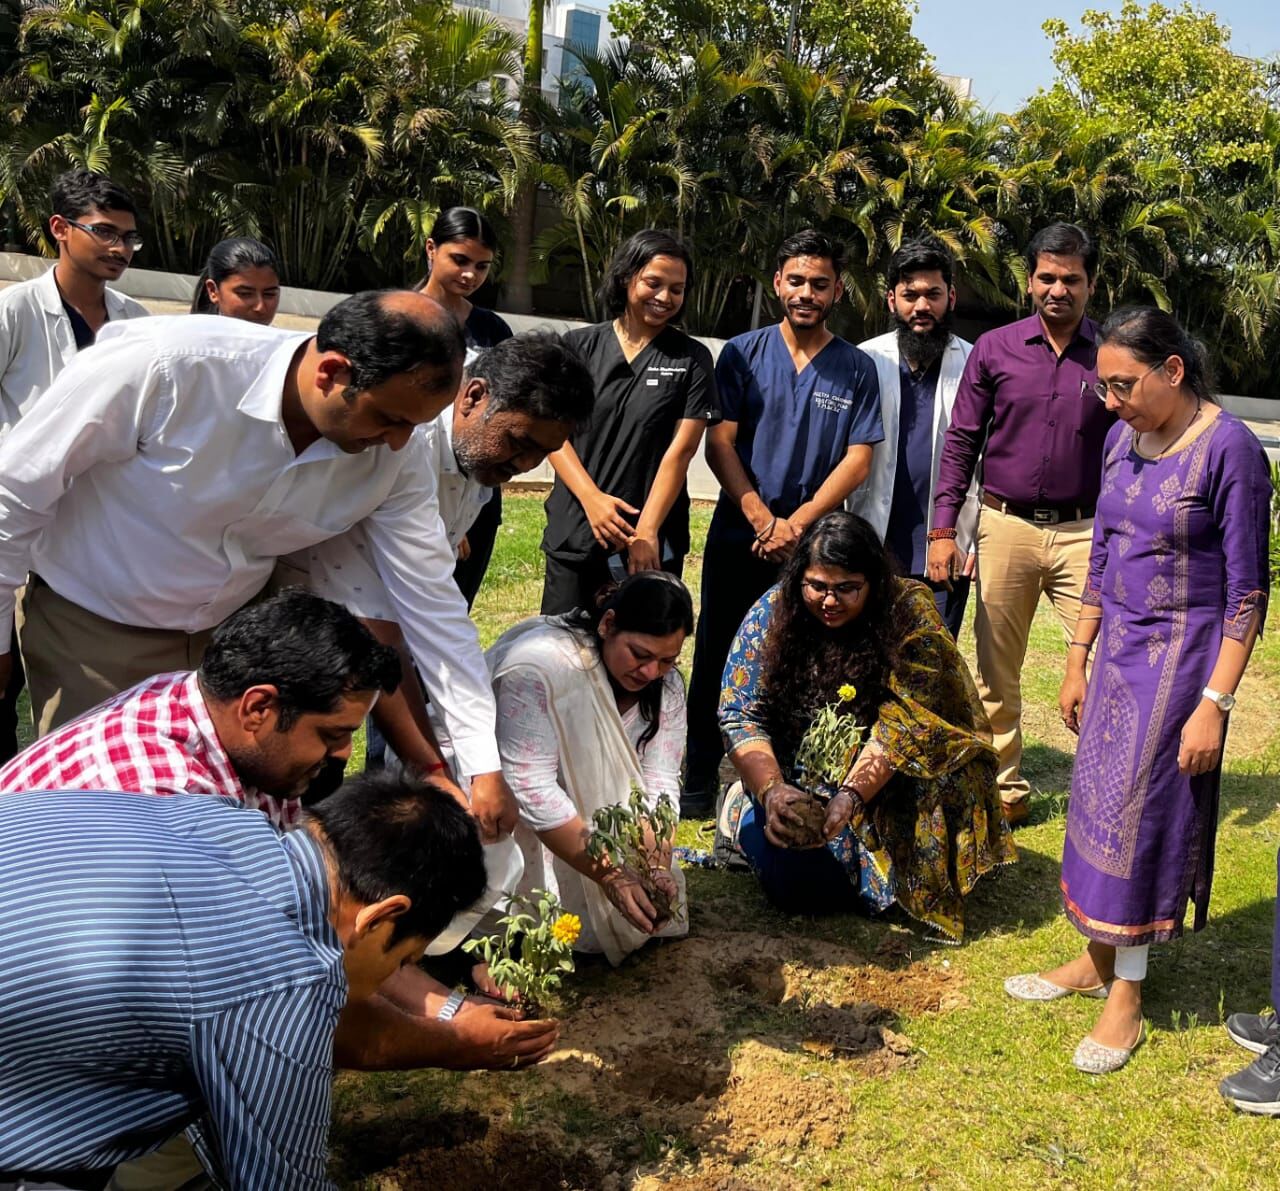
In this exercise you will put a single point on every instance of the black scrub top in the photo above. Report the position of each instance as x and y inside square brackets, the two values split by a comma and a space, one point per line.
[637, 408]
[483, 329]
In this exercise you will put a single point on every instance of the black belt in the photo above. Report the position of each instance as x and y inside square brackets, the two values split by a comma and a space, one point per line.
[1040, 514]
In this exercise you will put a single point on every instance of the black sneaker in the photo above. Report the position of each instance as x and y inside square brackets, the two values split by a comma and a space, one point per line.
[1256, 1089]
[698, 804]
[1254, 1031]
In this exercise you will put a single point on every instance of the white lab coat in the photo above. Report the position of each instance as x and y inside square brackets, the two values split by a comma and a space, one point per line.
[874, 498]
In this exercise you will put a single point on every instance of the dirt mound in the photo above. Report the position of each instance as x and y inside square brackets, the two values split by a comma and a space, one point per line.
[689, 1059]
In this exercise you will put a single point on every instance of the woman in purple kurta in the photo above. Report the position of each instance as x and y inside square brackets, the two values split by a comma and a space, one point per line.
[1176, 593]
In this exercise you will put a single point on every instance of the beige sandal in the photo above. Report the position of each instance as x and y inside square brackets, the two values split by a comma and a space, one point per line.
[1033, 987]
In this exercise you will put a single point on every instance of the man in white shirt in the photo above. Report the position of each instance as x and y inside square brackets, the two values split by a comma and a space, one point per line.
[201, 451]
[46, 320]
[519, 401]
[919, 365]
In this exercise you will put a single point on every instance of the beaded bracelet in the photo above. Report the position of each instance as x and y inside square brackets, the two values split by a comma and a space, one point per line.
[940, 535]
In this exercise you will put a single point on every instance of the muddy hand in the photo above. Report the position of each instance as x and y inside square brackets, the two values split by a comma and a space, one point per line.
[495, 1037]
[626, 893]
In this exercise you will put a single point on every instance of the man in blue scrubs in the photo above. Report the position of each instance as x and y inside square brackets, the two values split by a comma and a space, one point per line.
[919, 364]
[801, 413]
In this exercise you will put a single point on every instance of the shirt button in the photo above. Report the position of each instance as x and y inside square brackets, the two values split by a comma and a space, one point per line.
[1052, 422]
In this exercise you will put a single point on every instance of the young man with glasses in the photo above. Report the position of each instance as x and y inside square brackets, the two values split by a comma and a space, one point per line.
[45, 321]
[1027, 405]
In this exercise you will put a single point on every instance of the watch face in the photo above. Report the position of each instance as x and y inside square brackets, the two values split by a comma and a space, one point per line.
[1226, 702]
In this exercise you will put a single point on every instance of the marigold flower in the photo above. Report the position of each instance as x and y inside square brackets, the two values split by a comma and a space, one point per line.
[566, 929]
[847, 692]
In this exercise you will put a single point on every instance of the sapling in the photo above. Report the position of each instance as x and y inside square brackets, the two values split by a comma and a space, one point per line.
[633, 837]
[825, 756]
[533, 950]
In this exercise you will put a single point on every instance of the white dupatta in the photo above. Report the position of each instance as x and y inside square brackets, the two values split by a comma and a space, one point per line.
[598, 766]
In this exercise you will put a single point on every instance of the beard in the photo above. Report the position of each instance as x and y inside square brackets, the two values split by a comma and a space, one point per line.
[923, 349]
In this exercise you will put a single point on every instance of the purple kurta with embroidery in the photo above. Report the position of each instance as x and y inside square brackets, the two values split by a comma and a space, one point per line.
[1179, 561]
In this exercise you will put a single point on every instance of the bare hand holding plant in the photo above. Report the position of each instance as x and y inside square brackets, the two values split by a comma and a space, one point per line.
[636, 843]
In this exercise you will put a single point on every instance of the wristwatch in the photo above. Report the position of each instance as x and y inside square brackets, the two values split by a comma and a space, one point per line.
[1222, 700]
[451, 1006]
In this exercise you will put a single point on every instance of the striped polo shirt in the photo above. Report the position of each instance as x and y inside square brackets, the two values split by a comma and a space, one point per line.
[161, 958]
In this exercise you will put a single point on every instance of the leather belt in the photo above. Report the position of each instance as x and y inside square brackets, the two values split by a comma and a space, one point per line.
[1040, 514]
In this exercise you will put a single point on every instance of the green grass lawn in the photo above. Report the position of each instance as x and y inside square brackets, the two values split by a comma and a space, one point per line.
[703, 1064]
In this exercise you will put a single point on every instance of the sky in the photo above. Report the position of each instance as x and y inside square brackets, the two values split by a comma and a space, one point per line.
[999, 43]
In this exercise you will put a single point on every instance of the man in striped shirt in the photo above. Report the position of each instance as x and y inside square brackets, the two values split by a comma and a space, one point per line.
[164, 959]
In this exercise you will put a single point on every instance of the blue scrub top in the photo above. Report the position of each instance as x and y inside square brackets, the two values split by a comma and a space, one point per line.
[794, 428]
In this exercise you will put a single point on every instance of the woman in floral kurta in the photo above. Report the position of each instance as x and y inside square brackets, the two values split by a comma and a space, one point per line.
[923, 818]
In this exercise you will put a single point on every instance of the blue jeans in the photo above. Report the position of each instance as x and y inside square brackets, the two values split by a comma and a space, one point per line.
[797, 881]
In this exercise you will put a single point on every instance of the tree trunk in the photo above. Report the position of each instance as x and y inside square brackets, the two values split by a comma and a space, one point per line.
[524, 211]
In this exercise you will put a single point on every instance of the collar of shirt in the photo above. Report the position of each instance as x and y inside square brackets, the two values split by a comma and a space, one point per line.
[216, 755]
[1033, 331]
[448, 460]
[51, 297]
[314, 897]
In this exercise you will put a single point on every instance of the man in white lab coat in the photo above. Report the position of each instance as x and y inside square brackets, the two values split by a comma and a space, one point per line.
[919, 364]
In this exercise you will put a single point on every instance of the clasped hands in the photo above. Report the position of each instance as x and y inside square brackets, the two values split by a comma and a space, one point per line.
[785, 827]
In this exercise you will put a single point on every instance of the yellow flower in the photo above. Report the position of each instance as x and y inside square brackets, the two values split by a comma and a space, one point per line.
[847, 692]
[566, 929]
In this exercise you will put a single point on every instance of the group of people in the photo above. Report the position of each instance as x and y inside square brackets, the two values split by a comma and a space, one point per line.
[228, 546]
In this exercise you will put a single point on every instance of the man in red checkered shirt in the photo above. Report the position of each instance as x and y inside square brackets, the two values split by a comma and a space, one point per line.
[280, 692]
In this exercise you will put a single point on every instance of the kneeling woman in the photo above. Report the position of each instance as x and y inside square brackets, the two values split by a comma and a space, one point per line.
[917, 818]
[590, 704]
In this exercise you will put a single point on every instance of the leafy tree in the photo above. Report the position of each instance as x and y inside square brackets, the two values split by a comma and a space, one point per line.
[1166, 76]
[869, 38]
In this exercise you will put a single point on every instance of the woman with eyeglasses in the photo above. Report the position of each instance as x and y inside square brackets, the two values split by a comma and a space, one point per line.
[1175, 597]
[916, 819]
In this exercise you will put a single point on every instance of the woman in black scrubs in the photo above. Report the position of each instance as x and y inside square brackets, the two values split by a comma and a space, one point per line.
[460, 254]
[620, 504]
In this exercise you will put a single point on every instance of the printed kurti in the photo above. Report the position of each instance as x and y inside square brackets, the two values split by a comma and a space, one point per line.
[936, 827]
[1179, 562]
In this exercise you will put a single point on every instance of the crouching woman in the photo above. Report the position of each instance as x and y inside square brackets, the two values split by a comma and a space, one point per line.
[916, 819]
[590, 706]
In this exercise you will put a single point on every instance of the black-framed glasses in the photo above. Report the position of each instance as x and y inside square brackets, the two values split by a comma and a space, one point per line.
[1123, 389]
[842, 591]
[106, 235]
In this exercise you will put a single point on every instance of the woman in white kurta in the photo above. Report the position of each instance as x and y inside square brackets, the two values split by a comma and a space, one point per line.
[590, 704]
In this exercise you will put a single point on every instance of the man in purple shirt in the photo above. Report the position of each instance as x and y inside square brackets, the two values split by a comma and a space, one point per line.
[1027, 395]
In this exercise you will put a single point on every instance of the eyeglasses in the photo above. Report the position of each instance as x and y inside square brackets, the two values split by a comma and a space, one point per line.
[1123, 389]
[842, 591]
[106, 235]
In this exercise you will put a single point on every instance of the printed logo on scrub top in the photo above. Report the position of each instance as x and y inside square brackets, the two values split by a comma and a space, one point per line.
[832, 403]
[665, 372]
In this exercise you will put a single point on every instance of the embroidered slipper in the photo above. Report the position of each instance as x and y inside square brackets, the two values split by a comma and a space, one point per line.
[1031, 987]
[1095, 1059]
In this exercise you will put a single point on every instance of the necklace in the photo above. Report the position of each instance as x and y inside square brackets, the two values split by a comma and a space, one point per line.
[1195, 413]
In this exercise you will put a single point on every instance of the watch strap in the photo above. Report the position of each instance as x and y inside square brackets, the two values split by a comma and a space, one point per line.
[451, 1006]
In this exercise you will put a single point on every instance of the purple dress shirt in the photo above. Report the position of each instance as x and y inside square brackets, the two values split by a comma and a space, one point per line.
[1043, 426]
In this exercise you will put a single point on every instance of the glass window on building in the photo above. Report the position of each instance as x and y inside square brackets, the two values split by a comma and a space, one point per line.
[581, 31]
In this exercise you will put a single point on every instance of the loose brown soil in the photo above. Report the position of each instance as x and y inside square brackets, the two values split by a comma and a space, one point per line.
[694, 1057]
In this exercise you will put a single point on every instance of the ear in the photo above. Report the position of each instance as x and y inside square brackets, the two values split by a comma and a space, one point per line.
[370, 917]
[258, 708]
[777, 284]
[606, 628]
[59, 229]
[839, 290]
[1175, 369]
[951, 298]
[472, 397]
[333, 373]
[892, 298]
[211, 288]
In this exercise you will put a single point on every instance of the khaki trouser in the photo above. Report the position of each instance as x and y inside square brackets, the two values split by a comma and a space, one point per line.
[75, 659]
[173, 1167]
[1017, 561]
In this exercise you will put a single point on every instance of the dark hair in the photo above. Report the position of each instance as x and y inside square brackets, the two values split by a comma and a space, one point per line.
[812, 243]
[310, 649]
[78, 191]
[1153, 335]
[634, 254]
[381, 341]
[650, 602]
[463, 223]
[925, 254]
[227, 258]
[537, 374]
[397, 835]
[1063, 239]
[803, 663]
